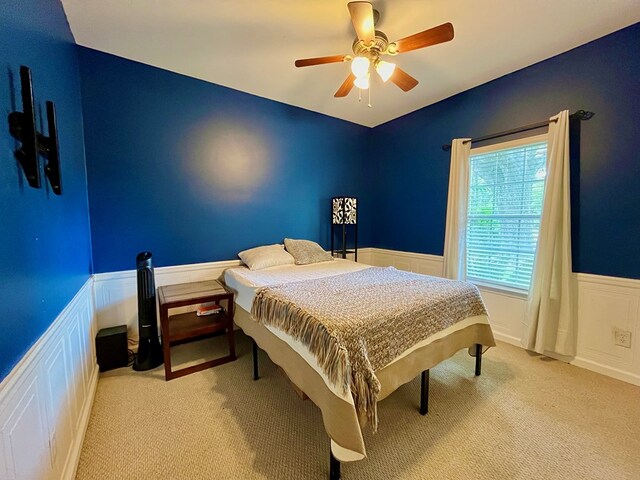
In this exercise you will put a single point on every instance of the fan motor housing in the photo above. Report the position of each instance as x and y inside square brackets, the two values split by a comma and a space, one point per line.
[378, 46]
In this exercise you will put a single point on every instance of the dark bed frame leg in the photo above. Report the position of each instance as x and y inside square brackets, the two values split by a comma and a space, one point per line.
[478, 359]
[334, 467]
[256, 374]
[424, 393]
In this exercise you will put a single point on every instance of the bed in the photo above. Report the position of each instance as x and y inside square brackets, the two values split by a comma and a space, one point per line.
[343, 409]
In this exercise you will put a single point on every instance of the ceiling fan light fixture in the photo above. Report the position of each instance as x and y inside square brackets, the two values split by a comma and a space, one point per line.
[362, 82]
[371, 44]
[385, 69]
[360, 66]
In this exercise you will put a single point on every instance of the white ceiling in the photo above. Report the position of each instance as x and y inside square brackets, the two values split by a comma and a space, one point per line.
[251, 45]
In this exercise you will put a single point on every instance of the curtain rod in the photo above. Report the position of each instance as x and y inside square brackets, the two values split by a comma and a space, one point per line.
[580, 114]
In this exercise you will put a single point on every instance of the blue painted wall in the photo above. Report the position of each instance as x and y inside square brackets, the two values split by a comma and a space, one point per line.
[602, 76]
[44, 242]
[196, 172]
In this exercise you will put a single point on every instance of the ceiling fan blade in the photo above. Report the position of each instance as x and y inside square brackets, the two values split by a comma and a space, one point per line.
[346, 86]
[402, 79]
[362, 19]
[307, 62]
[433, 36]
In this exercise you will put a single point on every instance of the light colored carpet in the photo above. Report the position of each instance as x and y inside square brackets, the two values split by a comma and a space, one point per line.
[526, 417]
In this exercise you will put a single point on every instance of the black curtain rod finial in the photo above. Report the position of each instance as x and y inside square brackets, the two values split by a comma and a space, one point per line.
[583, 115]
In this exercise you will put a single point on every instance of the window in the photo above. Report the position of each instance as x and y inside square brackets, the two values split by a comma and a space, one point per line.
[506, 188]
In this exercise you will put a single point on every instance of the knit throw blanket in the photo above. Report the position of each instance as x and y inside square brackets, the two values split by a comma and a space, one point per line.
[356, 323]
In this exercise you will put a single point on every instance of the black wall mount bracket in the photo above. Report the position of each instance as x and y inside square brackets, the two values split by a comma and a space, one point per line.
[22, 126]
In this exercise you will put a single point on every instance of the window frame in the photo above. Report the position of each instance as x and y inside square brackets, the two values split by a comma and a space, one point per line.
[519, 142]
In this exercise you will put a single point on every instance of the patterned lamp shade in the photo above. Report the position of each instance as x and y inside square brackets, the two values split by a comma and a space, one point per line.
[345, 210]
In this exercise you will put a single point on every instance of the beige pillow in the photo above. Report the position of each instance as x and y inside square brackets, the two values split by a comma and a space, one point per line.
[265, 257]
[305, 251]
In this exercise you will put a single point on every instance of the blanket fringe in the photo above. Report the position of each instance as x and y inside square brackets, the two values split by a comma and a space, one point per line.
[332, 357]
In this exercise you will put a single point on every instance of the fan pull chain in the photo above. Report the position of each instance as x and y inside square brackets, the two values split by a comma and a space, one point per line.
[369, 104]
[359, 95]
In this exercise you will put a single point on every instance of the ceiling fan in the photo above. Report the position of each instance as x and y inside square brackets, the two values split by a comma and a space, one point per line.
[371, 44]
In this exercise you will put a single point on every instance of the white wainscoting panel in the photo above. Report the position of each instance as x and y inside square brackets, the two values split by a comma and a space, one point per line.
[411, 262]
[506, 311]
[46, 399]
[604, 304]
[116, 294]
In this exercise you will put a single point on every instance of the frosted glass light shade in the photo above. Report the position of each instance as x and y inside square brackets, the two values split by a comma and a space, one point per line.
[360, 66]
[362, 82]
[385, 70]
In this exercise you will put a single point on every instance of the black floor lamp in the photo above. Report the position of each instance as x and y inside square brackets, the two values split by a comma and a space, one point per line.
[344, 212]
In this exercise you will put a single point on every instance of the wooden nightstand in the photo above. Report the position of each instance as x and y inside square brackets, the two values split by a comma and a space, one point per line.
[189, 326]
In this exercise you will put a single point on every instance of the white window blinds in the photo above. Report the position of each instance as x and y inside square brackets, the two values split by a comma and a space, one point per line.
[506, 188]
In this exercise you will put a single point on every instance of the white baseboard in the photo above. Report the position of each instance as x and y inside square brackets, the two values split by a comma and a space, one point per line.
[607, 370]
[502, 337]
[46, 399]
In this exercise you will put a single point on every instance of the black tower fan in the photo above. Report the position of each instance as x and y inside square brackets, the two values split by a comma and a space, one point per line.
[149, 350]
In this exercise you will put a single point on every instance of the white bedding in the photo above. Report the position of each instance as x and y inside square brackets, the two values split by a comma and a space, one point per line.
[245, 282]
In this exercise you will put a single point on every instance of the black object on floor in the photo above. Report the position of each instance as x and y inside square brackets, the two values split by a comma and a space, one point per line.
[111, 348]
[334, 468]
[424, 393]
[149, 350]
[478, 359]
[256, 374]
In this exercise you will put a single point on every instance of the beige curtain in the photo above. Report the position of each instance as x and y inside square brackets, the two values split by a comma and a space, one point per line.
[550, 323]
[455, 237]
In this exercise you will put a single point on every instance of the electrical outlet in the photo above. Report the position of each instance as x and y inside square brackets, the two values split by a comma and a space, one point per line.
[623, 338]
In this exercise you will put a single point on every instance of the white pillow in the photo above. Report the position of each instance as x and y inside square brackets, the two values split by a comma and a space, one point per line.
[267, 256]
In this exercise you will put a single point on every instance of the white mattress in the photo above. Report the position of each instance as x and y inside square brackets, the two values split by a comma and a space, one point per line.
[245, 282]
